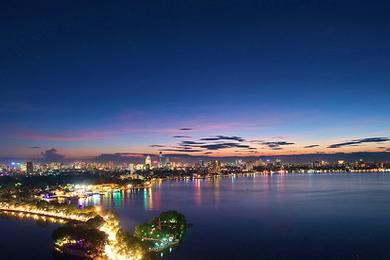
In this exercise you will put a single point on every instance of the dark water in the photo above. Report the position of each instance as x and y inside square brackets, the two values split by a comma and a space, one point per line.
[25, 239]
[262, 217]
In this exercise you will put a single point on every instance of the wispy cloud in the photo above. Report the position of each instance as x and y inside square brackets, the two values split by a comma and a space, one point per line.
[275, 145]
[184, 143]
[186, 129]
[359, 141]
[245, 151]
[183, 150]
[256, 141]
[223, 137]
[311, 146]
[181, 136]
[223, 146]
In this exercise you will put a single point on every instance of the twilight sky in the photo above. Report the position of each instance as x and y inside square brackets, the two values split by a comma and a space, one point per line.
[194, 77]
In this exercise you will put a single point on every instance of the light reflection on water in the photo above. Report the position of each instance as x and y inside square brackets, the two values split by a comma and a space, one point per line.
[202, 192]
[323, 216]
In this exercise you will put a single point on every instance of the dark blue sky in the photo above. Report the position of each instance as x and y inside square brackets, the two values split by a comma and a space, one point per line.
[104, 76]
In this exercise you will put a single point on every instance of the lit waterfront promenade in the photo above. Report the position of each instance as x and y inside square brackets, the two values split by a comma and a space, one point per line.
[29, 210]
[114, 248]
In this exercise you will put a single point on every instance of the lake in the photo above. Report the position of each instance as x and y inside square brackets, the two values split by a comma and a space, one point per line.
[310, 216]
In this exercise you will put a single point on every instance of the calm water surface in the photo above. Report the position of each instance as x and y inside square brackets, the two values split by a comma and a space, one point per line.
[262, 217]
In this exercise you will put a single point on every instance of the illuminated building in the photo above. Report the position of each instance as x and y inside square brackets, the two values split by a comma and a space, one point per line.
[201, 163]
[239, 163]
[22, 167]
[55, 165]
[249, 166]
[148, 162]
[29, 167]
[139, 167]
[360, 163]
[163, 161]
[131, 168]
[317, 164]
[215, 166]
[77, 165]
[166, 162]
[340, 162]
[278, 163]
[259, 162]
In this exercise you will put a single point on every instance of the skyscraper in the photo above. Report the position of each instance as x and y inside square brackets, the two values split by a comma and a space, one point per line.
[29, 167]
[148, 162]
[215, 166]
[161, 161]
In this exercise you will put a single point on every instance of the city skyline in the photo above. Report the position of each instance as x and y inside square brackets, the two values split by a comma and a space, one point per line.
[203, 79]
[195, 129]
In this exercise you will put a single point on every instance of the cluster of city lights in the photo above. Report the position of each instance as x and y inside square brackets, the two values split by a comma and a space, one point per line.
[33, 216]
[114, 248]
[34, 211]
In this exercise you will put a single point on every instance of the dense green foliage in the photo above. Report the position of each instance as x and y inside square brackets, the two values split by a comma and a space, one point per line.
[80, 232]
[85, 236]
[132, 243]
[164, 231]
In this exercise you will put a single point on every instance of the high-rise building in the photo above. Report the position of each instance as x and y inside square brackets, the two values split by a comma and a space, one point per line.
[215, 166]
[148, 163]
[201, 163]
[163, 161]
[166, 161]
[29, 167]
